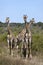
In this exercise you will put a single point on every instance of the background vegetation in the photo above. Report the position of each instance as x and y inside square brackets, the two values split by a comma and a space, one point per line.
[37, 34]
[37, 40]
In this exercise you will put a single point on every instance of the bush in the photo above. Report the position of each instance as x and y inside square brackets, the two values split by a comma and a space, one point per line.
[37, 42]
[3, 37]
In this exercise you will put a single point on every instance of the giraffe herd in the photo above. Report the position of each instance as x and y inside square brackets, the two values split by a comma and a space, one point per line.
[25, 37]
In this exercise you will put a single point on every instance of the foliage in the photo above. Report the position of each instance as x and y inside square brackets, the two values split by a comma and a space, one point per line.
[37, 42]
[37, 37]
[3, 37]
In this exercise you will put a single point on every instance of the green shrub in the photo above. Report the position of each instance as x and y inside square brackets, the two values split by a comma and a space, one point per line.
[37, 42]
[3, 37]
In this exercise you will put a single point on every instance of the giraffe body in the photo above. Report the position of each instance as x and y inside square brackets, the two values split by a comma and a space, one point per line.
[10, 37]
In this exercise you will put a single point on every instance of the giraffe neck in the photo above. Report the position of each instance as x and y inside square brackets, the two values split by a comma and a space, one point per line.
[30, 25]
[8, 24]
[8, 28]
[26, 26]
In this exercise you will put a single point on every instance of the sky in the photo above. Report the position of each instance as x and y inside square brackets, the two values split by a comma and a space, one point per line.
[15, 9]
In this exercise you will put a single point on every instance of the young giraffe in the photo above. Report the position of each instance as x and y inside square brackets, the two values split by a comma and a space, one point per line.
[10, 37]
[26, 38]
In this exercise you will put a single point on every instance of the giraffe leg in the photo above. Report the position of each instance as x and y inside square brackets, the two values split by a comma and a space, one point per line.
[8, 43]
[22, 50]
[10, 47]
[26, 47]
[11, 43]
[9, 50]
[26, 51]
[30, 52]
[30, 55]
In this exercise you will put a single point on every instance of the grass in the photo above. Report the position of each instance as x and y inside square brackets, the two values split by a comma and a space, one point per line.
[37, 42]
[37, 46]
[8, 60]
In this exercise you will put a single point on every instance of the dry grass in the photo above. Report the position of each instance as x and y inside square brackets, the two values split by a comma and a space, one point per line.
[6, 59]
[9, 60]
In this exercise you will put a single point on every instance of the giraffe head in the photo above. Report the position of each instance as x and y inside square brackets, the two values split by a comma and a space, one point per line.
[7, 19]
[32, 20]
[25, 18]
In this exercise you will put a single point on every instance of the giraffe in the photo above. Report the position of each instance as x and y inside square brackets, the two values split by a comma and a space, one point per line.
[10, 37]
[26, 37]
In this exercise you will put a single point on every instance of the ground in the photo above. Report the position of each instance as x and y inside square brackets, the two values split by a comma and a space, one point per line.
[6, 59]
